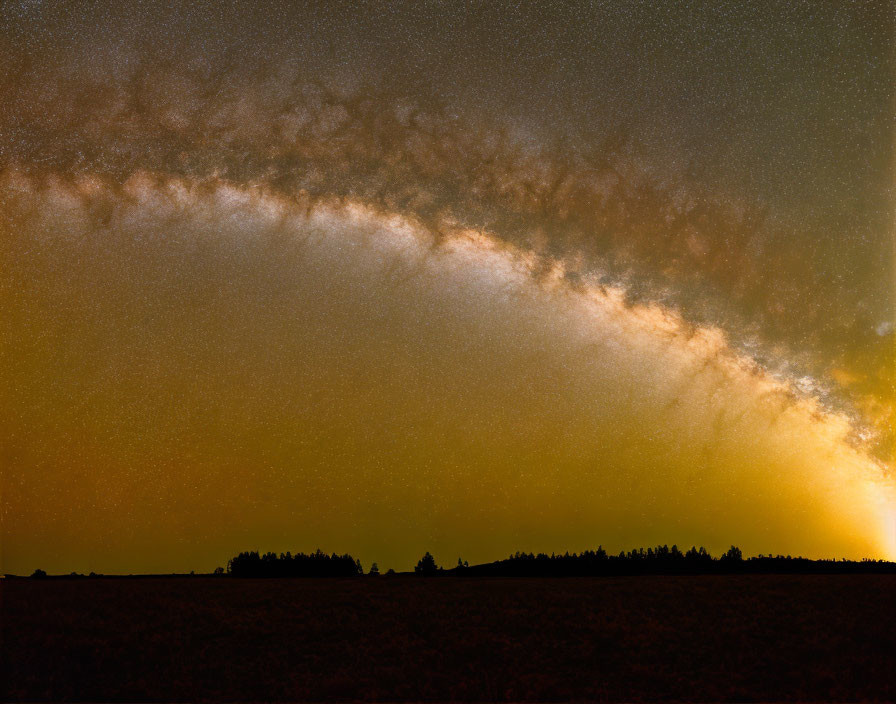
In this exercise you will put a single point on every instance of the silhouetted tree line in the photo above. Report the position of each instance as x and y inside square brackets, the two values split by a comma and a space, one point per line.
[656, 560]
[317, 564]
[661, 560]
[590, 563]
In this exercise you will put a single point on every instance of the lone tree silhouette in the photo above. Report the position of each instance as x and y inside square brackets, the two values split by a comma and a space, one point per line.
[426, 565]
[374, 570]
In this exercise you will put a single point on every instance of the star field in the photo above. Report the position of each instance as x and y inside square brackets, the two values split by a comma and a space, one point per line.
[460, 277]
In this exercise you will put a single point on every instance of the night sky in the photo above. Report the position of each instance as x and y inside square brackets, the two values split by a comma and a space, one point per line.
[470, 278]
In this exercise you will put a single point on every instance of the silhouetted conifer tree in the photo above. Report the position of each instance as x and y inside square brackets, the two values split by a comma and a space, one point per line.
[426, 565]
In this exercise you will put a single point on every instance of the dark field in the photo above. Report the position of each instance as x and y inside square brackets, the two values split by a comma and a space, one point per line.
[737, 638]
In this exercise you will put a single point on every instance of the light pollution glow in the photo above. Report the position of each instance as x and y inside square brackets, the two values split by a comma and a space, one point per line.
[266, 285]
[284, 391]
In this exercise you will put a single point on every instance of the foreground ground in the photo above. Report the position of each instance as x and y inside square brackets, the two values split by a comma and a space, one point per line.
[743, 638]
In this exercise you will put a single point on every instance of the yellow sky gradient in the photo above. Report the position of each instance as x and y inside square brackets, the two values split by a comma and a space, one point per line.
[200, 368]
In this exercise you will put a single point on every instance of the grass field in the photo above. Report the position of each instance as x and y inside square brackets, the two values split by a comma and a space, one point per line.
[734, 638]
